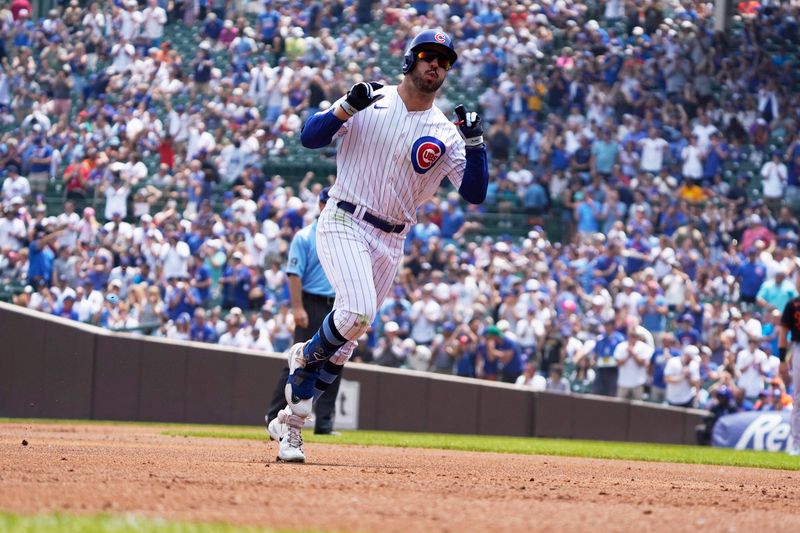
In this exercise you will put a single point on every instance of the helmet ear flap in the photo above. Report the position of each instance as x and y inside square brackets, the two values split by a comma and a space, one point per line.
[408, 61]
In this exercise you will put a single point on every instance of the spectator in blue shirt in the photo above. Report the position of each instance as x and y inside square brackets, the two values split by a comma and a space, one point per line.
[604, 154]
[201, 283]
[536, 200]
[228, 280]
[268, 23]
[686, 332]
[180, 299]
[452, 219]
[212, 27]
[422, 7]
[39, 162]
[41, 256]
[774, 294]
[580, 162]
[399, 314]
[638, 252]
[99, 272]
[751, 275]
[423, 231]
[671, 219]
[613, 211]
[66, 309]
[653, 309]
[242, 285]
[605, 365]
[587, 212]
[770, 330]
[293, 218]
[200, 330]
[559, 160]
[715, 157]
[607, 265]
[502, 356]
[669, 349]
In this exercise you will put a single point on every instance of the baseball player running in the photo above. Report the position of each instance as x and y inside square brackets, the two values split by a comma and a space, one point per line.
[396, 148]
[790, 323]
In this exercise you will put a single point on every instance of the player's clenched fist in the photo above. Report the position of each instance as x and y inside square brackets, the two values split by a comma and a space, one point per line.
[360, 96]
[470, 127]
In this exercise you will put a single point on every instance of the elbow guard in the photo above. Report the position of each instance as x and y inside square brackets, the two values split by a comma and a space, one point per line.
[476, 176]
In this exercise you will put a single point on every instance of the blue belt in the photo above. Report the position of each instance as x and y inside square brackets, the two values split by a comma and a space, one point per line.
[379, 223]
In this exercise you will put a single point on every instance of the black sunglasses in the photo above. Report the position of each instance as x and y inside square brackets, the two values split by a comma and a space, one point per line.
[428, 56]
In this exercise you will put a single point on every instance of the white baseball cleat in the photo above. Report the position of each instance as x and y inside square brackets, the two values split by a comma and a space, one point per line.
[288, 425]
[286, 430]
[290, 446]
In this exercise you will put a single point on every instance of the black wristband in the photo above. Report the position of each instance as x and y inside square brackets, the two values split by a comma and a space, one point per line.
[782, 354]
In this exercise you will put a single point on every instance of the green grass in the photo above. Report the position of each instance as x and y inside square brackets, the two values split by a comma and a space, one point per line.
[62, 523]
[529, 446]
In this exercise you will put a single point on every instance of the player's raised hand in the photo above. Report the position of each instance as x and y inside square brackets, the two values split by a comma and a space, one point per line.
[470, 126]
[360, 96]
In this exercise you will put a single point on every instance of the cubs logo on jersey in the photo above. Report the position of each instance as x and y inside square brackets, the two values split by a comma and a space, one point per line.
[425, 152]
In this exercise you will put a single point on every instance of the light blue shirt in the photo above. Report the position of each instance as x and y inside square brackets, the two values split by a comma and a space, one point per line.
[605, 154]
[777, 295]
[587, 220]
[535, 196]
[304, 262]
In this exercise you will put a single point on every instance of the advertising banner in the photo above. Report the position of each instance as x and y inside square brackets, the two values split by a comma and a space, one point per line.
[753, 430]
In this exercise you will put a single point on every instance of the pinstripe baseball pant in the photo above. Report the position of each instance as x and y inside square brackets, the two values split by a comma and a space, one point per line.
[361, 262]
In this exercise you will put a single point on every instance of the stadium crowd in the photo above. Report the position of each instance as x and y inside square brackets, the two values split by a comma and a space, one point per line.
[666, 153]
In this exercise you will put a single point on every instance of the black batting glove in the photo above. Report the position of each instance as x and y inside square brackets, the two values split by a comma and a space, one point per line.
[361, 96]
[470, 127]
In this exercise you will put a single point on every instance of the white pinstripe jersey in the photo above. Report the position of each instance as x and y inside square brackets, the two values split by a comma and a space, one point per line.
[391, 161]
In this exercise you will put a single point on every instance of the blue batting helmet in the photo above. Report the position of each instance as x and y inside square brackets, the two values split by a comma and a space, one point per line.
[434, 37]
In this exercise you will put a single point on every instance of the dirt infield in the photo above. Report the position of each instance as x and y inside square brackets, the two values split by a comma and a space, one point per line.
[118, 469]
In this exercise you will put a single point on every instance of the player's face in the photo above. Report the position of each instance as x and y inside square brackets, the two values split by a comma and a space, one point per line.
[429, 71]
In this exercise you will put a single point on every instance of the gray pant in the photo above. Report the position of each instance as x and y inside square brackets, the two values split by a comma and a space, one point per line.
[630, 393]
[658, 394]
